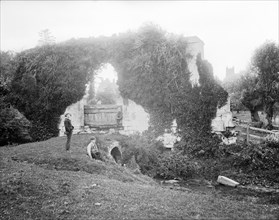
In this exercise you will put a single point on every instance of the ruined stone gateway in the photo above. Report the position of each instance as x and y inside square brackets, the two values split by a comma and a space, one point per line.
[135, 119]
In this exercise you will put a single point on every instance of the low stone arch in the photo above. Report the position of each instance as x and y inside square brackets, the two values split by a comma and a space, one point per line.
[115, 152]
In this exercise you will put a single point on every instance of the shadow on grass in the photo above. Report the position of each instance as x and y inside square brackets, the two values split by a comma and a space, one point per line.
[113, 171]
[69, 164]
[23, 200]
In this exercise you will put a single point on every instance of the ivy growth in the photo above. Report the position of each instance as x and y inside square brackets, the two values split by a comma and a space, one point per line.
[152, 67]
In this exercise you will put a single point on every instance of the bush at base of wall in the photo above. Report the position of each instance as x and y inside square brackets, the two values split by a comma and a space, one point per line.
[14, 126]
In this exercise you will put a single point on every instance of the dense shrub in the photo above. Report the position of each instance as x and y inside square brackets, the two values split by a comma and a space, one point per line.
[247, 164]
[257, 157]
[106, 97]
[175, 165]
[272, 140]
[155, 162]
[145, 152]
[14, 127]
[201, 146]
[47, 80]
[251, 157]
[39, 131]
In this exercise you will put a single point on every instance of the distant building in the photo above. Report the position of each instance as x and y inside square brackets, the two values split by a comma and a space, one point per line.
[230, 72]
[230, 75]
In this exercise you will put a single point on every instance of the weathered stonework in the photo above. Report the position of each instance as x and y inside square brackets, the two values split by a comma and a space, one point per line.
[135, 119]
[115, 152]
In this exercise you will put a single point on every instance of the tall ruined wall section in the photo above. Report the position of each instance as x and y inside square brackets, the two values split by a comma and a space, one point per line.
[195, 46]
[134, 116]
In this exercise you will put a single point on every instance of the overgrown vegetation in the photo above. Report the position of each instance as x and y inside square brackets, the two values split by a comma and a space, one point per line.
[248, 164]
[258, 87]
[42, 181]
[152, 71]
[14, 127]
[144, 150]
[272, 140]
[45, 80]
[155, 62]
[174, 165]
[107, 92]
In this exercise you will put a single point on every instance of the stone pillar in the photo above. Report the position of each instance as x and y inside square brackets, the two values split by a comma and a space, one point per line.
[195, 46]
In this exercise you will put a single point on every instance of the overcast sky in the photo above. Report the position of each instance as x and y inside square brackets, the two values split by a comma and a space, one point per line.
[231, 30]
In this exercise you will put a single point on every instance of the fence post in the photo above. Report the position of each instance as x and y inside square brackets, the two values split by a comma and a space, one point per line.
[247, 133]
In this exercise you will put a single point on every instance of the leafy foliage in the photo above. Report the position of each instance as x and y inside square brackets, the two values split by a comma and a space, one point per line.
[265, 63]
[46, 81]
[151, 67]
[14, 126]
[107, 92]
[106, 97]
[256, 157]
[145, 152]
[176, 165]
[7, 67]
[248, 164]
[234, 86]
[152, 71]
[272, 140]
[260, 86]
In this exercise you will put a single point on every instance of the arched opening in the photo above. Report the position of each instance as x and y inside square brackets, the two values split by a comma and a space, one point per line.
[103, 89]
[116, 154]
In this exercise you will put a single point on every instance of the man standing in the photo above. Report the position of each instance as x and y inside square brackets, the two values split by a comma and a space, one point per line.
[68, 130]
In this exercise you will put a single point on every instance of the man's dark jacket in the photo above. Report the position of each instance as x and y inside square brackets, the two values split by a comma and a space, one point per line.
[68, 125]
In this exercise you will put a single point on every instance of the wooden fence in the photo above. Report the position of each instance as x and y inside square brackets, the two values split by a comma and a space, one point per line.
[103, 116]
[253, 134]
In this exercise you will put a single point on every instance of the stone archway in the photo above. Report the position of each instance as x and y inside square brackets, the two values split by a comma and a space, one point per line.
[135, 118]
[116, 154]
[139, 58]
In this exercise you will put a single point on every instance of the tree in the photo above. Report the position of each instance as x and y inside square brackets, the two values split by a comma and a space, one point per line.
[46, 38]
[107, 92]
[265, 64]
[106, 97]
[14, 127]
[46, 81]
[7, 67]
[250, 94]
[234, 86]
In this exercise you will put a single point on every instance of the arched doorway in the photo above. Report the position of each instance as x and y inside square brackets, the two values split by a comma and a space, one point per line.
[116, 154]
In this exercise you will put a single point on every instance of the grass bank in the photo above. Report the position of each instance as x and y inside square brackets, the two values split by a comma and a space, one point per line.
[42, 181]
